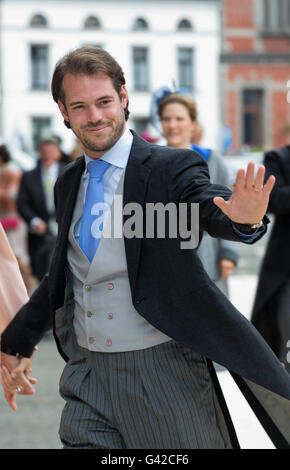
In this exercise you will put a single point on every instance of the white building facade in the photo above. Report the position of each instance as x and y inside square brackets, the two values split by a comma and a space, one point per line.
[157, 43]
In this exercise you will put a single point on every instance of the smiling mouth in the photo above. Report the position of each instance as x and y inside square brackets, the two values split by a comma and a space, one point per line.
[96, 130]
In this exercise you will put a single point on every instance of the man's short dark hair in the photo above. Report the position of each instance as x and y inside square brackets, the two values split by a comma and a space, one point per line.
[87, 61]
[48, 141]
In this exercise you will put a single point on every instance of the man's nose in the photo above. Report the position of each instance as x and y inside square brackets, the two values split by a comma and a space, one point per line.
[94, 114]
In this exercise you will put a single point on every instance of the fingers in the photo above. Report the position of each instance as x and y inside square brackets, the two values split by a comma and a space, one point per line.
[248, 180]
[259, 180]
[226, 267]
[32, 380]
[269, 185]
[18, 381]
[221, 204]
[12, 381]
[19, 377]
[250, 175]
[10, 398]
[24, 366]
[240, 180]
[9, 384]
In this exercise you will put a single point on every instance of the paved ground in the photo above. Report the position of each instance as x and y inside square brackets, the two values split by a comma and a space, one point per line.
[35, 424]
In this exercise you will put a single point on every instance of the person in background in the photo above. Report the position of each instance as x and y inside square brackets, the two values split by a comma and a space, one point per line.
[13, 295]
[14, 226]
[64, 158]
[178, 116]
[146, 135]
[35, 204]
[271, 310]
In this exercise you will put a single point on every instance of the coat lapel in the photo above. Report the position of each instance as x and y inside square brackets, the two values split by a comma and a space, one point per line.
[72, 186]
[135, 185]
[65, 210]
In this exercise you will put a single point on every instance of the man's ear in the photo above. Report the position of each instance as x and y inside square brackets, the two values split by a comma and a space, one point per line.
[63, 110]
[124, 96]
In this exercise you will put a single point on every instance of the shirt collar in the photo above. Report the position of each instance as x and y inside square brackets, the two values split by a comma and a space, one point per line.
[117, 155]
[52, 168]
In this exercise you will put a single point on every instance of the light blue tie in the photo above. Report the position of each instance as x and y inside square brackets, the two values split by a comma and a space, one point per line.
[92, 219]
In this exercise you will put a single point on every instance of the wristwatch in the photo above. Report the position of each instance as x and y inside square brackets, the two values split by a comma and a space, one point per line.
[248, 228]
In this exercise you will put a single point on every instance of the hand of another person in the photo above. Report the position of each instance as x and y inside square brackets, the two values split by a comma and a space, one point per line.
[40, 227]
[249, 200]
[226, 267]
[15, 378]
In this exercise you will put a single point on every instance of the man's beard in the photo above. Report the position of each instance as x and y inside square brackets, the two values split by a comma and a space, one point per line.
[91, 144]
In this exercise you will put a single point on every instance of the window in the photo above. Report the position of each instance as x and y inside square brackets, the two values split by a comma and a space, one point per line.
[185, 67]
[92, 23]
[140, 24]
[276, 15]
[39, 67]
[184, 25]
[38, 21]
[140, 66]
[41, 128]
[252, 115]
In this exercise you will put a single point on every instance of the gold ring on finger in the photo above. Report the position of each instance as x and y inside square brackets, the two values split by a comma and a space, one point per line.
[257, 189]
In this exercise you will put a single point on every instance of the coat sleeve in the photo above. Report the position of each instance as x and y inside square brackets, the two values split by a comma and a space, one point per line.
[189, 183]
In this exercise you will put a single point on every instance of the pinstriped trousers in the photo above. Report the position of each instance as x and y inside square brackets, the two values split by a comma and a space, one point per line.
[155, 398]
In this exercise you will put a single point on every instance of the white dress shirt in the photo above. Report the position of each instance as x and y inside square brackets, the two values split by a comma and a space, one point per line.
[48, 178]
